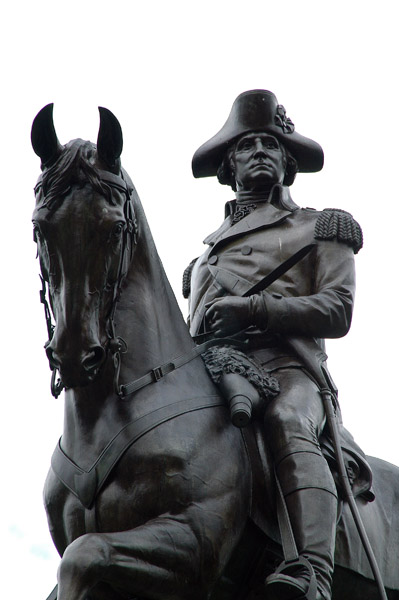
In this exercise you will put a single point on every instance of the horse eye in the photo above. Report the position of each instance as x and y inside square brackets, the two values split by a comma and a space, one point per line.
[118, 230]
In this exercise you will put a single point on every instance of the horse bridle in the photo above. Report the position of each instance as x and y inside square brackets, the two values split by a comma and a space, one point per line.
[116, 344]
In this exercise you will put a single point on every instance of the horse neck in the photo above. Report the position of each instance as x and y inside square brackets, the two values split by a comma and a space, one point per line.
[148, 317]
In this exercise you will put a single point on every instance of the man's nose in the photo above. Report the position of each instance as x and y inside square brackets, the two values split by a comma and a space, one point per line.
[260, 150]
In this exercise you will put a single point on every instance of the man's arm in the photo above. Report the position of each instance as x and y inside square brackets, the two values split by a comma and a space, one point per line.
[326, 313]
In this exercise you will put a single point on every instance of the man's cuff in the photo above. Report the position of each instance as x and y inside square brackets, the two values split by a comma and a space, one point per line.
[259, 311]
[277, 312]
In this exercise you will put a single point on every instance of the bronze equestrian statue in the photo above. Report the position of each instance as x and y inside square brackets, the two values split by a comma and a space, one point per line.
[152, 493]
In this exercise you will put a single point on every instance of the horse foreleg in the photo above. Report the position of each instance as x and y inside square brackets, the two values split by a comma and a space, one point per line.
[161, 559]
[82, 566]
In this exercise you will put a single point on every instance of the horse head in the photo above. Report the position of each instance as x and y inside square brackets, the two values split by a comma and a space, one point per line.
[84, 227]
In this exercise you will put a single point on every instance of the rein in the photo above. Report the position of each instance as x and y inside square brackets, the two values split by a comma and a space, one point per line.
[117, 345]
[159, 372]
[56, 385]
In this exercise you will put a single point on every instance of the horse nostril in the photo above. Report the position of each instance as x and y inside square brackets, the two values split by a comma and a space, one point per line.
[52, 357]
[93, 358]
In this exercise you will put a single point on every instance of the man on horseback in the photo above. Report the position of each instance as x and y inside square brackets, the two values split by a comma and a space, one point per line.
[258, 153]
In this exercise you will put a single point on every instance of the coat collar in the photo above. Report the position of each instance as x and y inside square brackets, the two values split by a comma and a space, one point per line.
[278, 206]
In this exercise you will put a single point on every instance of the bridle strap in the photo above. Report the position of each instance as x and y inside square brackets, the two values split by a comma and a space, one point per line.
[106, 176]
[56, 384]
[159, 372]
[47, 312]
[115, 181]
[116, 344]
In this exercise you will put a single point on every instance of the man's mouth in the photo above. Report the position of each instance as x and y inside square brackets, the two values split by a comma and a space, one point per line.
[261, 164]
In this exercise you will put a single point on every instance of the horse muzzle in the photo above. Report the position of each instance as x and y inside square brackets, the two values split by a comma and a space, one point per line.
[77, 368]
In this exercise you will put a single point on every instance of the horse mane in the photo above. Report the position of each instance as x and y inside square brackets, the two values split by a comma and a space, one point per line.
[76, 165]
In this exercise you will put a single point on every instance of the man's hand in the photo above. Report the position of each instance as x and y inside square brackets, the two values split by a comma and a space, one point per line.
[226, 316]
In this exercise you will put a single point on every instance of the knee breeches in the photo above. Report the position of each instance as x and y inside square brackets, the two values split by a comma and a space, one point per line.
[293, 424]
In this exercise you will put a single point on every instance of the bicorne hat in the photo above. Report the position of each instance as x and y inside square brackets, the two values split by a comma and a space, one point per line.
[257, 110]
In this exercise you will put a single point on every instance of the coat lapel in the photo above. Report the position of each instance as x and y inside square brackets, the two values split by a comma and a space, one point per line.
[276, 209]
[266, 215]
[225, 226]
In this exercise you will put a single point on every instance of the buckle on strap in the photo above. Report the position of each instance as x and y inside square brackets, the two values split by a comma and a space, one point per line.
[157, 373]
[162, 370]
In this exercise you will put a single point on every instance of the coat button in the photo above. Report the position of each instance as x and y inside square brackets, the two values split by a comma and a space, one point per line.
[246, 250]
[213, 260]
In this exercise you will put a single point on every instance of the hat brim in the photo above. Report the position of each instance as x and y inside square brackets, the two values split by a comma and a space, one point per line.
[254, 111]
[208, 158]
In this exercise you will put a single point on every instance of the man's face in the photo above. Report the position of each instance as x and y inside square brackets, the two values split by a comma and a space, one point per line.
[258, 162]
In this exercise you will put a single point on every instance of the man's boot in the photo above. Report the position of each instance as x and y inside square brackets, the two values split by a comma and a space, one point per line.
[313, 513]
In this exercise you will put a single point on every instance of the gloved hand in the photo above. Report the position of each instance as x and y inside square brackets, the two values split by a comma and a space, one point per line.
[231, 314]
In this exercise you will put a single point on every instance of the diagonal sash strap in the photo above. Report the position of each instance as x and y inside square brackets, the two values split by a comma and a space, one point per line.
[280, 270]
[86, 484]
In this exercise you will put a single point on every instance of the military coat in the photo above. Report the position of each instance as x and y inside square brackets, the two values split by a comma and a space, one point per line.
[312, 301]
[314, 298]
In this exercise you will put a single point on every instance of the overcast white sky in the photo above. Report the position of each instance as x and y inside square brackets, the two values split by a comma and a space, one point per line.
[170, 71]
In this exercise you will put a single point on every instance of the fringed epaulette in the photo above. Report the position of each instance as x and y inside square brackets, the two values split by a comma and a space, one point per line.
[336, 224]
[187, 278]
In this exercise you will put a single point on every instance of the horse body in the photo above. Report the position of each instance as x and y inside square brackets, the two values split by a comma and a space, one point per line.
[167, 517]
[164, 523]
[161, 496]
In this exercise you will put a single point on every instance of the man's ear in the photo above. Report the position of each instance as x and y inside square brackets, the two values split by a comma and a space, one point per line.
[232, 165]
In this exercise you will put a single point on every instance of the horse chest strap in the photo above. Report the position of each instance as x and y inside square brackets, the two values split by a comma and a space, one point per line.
[85, 485]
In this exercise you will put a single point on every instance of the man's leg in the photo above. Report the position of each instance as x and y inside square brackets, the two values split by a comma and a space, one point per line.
[293, 424]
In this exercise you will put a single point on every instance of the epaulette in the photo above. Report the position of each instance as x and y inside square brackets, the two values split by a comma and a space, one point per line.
[336, 224]
[187, 278]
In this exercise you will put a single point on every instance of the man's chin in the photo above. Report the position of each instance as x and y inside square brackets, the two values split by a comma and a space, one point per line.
[262, 183]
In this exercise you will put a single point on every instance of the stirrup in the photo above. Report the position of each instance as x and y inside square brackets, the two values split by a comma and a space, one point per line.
[282, 586]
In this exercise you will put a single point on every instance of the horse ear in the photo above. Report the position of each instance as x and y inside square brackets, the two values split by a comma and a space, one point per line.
[110, 139]
[44, 138]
